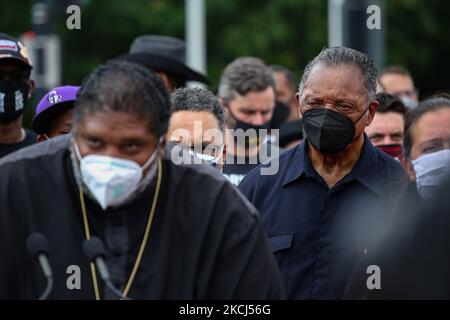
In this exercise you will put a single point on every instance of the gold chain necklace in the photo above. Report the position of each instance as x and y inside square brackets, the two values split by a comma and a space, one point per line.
[143, 243]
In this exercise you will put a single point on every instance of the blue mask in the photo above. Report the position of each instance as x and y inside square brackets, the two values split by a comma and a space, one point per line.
[431, 169]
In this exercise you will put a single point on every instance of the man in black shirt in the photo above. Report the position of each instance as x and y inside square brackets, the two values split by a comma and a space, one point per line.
[247, 91]
[15, 89]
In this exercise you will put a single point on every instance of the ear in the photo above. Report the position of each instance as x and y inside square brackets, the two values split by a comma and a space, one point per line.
[224, 152]
[41, 138]
[299, 105]
[222, 159]
[167, 81]
[409, 169]
[372, 109]
[31, 85]
[163, 142]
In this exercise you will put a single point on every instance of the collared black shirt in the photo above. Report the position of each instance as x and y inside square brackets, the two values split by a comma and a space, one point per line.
[316, 233]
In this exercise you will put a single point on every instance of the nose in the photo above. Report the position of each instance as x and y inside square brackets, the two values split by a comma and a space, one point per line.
[330, 107]
[112, 151]
[259, 119]
[387, 139]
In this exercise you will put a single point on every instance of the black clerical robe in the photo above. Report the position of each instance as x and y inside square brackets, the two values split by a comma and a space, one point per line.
[206, 241]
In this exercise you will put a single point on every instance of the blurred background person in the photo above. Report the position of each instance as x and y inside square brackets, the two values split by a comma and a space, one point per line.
[16, 89]
[285, 90]
[167, 57]
[198, 122]
[427, 143]
[54, 113]
[387, 128]
[398, 81]
[247, 91]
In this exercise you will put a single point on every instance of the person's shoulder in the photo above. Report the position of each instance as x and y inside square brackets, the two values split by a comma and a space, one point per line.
[199, 179]
[206, 182]
[395, 176]
[36, 151]
[197, 171]
[30, 135]
[389, 162]
[271, 170]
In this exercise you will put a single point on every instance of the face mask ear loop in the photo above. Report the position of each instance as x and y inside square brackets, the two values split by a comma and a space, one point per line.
[362, 115]
[77, 151]
[152, 157]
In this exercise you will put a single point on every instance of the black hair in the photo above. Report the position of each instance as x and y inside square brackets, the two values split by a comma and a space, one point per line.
[390, 103]
[120, 86]
[198, 99]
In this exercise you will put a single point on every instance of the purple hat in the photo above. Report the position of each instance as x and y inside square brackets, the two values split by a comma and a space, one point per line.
[53, 102]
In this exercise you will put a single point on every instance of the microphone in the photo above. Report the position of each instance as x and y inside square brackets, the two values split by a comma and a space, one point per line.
[38, 248]
[95, 251]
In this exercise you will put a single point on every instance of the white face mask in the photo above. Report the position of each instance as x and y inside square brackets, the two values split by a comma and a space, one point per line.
[430, 170]
[408, 102]
[111, 180]
[208, 159]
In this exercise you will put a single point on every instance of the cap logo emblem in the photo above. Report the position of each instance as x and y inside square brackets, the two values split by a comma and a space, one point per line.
[54, 97]
[8, 45]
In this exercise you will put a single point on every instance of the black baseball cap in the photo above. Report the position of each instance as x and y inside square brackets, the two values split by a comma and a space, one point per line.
[11, 48]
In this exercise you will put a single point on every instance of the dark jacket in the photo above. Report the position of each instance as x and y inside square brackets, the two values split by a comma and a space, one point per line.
[413, 257]
[206, 241]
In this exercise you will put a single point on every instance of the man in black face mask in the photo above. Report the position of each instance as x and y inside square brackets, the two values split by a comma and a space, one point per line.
[247, 91]
[333, 194]
[15, 90]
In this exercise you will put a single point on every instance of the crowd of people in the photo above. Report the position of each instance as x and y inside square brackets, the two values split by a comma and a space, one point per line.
[270, 188]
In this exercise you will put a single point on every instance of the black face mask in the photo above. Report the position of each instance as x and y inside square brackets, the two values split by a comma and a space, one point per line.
[13, 100]
[253, 140]
[327, 130]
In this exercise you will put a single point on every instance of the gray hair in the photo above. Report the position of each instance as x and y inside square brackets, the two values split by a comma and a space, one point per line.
[198, 99]
[244, 75]
[337, 56]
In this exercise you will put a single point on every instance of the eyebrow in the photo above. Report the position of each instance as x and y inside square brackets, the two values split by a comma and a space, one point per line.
[435, 141]
[247, 108]
[339, 100]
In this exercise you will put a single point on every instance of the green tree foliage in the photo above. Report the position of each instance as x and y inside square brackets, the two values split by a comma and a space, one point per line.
[287, 32]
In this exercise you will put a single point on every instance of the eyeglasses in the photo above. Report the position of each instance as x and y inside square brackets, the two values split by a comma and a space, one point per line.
[206, 152]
